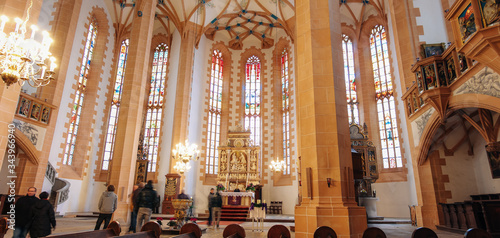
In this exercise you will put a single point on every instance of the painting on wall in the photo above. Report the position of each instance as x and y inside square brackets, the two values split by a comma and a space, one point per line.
[450, 66]
[466, 23]
[493, 152]
[141, 171]
[430, 77]
[490, 11]
[429, 50]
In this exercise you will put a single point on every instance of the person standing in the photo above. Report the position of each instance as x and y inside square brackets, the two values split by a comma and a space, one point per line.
[210, 195]
[43, 217]
[216, 208]
[133, 215]
[107, 205]
[23, 209]
[146, 202]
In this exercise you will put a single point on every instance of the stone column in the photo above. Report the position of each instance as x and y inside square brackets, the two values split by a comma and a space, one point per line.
[132, 105]
[9, 96]
[183, 90]
[324, 133]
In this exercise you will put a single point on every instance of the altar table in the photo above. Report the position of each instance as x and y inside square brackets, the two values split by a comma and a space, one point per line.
[237, 198]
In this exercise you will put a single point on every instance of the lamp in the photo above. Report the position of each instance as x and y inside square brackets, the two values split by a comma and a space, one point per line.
[277, 166]
[25, 59]
[183, 153]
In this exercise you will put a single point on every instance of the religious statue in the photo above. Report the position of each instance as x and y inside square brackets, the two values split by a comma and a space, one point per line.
[223, 167]
[252, 156]
[253, 166]
[233, 159]
[234, 167]
[223, 156]
[242, 159]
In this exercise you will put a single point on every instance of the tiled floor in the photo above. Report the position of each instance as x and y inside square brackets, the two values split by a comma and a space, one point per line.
[70, 225]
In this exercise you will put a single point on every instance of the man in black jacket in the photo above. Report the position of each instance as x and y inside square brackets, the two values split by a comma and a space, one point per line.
[43, 217]
[23, 211]
[146, 202]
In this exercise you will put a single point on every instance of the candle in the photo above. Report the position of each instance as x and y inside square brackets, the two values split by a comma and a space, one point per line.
[18, 21]
[33, 30]
[52, 63]
[4, 20]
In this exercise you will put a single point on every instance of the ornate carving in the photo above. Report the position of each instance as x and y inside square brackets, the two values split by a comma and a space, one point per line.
[485, 82]
[420, 123]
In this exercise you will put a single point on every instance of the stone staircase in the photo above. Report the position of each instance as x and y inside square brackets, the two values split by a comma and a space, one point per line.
[234, 213]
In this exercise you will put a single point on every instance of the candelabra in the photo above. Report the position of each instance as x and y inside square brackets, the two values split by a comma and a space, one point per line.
[277, 166]
[23, 59]
[184, 153]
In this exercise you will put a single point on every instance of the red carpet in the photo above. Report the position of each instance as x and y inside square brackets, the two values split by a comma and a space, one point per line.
[221, 223]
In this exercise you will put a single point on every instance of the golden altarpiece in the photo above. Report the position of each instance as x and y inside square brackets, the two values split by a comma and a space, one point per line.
[239, 163]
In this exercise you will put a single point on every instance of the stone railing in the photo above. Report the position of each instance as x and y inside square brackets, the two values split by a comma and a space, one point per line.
[60, 192]
[50, 173]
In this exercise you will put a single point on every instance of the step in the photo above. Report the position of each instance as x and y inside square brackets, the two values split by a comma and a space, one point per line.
[234, 214]
[233, 218]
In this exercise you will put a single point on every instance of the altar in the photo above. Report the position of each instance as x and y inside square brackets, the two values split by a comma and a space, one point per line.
[239, 166]
[237, 198]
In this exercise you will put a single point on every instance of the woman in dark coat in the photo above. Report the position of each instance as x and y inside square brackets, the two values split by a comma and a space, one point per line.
[43, 217]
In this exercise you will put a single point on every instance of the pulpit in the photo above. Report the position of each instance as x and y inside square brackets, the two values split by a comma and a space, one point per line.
[171, 190]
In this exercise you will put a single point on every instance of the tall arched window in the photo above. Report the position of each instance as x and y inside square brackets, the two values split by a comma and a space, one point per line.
[350, 80]
[154, 108]
[252, 98]
[214, 113]
[391, 152]
[115, 106]
[285, 109]
[80, 93]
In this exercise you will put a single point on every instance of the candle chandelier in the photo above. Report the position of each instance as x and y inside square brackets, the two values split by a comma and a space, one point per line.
[23, 59]
[184, 153]
[277, 166]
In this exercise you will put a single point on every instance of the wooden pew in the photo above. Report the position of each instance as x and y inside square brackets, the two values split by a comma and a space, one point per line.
[477, 233]
[234, 231]
[324, 232]
[374, 232]
[113, 229]
[3, 226]
[423, 232]
[189, 230]
[278, 231]
[149, 230]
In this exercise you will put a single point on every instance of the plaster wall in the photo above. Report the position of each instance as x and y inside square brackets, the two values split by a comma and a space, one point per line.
[77, 202]
[485, 182]
[432, 20]
[394, 199]
[168, 112]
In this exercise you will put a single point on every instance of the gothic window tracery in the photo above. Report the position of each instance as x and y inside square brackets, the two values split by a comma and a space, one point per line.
[350, 80]
[391, 152]
[80, 93]
[252, 98]
[285, 109]
[115, 106]
[214, 112]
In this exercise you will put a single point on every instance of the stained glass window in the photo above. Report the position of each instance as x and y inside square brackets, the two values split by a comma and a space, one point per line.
[80, 94]
[285, 109]
[154, 108]
[350, 80]
[115, 106]
[391, 152]
[252, 98]
[214, 113]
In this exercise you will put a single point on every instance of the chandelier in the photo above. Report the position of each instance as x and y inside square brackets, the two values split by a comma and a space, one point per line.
[184, 153]
[277, 166]
[23, 59]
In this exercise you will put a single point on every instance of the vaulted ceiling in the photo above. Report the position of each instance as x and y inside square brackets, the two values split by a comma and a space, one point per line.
[236, 20]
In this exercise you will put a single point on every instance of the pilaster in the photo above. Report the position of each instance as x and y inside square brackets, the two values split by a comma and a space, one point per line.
[325, 147]
[132, 106]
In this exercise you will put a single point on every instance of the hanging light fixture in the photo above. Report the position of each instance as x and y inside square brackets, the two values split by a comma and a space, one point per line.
[184, 153]
[277, 166]
[25, 59]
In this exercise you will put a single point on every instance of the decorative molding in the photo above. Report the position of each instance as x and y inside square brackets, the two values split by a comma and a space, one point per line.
[485, 82]
[419, 124]
[34, 133]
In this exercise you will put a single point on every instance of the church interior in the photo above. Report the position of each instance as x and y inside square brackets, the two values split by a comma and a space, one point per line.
[337, 113]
